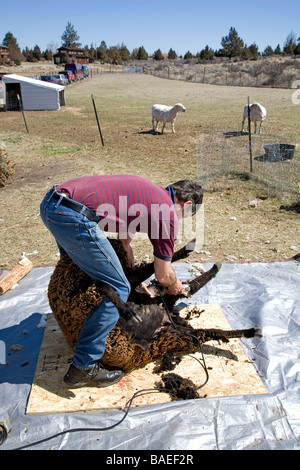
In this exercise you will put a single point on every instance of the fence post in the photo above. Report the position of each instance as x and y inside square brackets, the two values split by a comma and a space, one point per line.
[249, 132]
[97, 121]
[21, 107]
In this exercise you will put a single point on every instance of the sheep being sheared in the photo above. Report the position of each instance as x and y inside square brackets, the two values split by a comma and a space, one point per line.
[257, 114]
[72, 296]
[163, 113]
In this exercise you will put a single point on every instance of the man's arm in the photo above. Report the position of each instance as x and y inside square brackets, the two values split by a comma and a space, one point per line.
[166, 276]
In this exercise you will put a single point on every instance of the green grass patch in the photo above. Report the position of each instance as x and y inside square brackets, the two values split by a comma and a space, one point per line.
[49, 150]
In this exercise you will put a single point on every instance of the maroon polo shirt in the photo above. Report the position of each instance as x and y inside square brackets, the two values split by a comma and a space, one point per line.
[129, 204]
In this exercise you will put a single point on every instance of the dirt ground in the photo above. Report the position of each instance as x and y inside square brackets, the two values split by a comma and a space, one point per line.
[65, 144]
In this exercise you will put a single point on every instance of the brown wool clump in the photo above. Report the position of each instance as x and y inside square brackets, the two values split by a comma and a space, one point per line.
[178, 387]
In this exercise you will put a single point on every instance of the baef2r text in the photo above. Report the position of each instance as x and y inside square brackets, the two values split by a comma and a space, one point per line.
[153, 459]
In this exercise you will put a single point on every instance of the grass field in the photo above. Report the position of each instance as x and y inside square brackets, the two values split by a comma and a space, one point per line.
[64, 144]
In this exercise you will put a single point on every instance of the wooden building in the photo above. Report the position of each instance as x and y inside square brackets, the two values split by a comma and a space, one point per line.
[70, 55]
[4, 53]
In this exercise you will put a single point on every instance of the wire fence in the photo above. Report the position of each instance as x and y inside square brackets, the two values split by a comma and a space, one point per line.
[273, 163]
[262, 73]
[226, 152]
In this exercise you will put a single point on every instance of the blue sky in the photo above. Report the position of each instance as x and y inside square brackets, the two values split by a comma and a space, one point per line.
[183, 25]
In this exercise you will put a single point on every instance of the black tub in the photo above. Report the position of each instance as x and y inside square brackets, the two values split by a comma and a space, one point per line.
[279, 152]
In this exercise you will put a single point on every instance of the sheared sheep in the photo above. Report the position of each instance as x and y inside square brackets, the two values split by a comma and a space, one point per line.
[163, 113]
[72, 296]
[257, 114]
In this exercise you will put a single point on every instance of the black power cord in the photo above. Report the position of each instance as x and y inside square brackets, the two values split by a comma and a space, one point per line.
[73, 430]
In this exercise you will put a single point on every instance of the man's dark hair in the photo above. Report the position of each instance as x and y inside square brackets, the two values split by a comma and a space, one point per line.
[186, 190]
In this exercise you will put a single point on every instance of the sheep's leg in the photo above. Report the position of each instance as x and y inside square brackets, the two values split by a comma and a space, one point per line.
[260, 127]
[163, 127]
[137, 275]
[184, 251]
[124, 310]
[193, 286]
[203, 279]
[173, 127]
[243, 124]
[224, 335]
[154, 124]
[174, 339]
[180, 340]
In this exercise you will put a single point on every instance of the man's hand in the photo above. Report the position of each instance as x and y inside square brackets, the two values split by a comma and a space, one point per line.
[176, 289]
[166, 276]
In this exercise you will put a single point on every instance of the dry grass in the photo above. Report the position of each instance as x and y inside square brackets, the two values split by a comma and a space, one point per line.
[65, 144]
[276, 71]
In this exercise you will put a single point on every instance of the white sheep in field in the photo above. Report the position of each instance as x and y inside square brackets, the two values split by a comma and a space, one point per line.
[257, 114]
[162, 113]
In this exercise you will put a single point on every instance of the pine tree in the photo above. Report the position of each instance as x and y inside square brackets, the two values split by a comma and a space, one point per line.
[207, 53]
[37, 52]
[188, 55]
[290, 44]
[172, 54]
[13, 47]
[277, 50]
[102, 52]
[142, 54]
[70, 37]
[125, 54]
[254, 52]
[268, 51]
[232, 44]
[158, 55]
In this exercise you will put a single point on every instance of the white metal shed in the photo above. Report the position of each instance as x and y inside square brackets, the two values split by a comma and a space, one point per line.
[34, 94]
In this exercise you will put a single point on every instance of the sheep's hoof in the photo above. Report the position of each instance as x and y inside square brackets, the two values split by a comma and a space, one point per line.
[257, 333]
[218, 266]
[135, 319]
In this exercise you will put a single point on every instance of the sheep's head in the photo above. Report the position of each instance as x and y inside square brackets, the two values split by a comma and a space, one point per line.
[154, 318]
[180, 107]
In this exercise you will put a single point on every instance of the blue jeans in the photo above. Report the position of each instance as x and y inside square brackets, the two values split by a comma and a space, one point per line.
[89, 248]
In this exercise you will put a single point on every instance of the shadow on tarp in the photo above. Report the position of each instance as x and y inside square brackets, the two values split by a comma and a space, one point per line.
[19, 356]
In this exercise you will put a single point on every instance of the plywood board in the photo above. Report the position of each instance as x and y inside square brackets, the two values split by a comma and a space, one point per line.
[230, 372]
